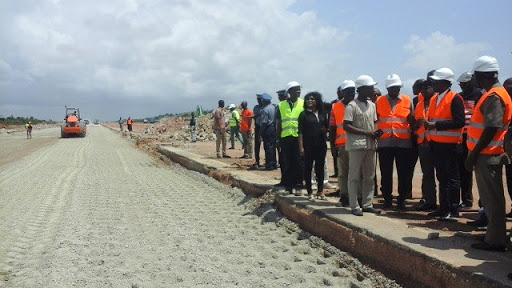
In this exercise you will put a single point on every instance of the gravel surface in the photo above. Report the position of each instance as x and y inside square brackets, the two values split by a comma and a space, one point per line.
[97, 212]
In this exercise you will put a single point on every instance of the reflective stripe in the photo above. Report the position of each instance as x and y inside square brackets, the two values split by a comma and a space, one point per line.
[289, 128]
[438, 119]
[339, 125]
[492, 143]
[340, 136]
[392, 119]
[481, 126]
[289, 119]
[396, 130]
[445, 133]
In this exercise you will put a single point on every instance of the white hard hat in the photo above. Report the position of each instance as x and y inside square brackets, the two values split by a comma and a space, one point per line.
[393, 80]
[347, 84]
[465, 77]
[291, 84]
[231, 106]
[364, 80]
[443, 74]
[486, 64]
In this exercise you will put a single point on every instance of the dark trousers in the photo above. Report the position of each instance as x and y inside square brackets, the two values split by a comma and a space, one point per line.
[466, 177]
[257, 143]
[447, 172]
[269, 143]
[388, 155]
[130, 127]
[413, 159]
[428, 180]
[314, 154]
[292, 164]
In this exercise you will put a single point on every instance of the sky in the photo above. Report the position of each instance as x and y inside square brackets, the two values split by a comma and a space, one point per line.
[142, 58]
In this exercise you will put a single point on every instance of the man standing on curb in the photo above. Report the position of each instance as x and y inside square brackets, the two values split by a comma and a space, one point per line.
[359, 124]
[444, 125]
[486, 133]
[246, 129]
[346, 93]
[394, 114]
[287, 131]
[234, 125]
[219, 127]
[267, 131]
[257, 140]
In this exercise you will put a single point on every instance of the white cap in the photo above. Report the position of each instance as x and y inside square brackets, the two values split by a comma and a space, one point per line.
[486, 64]
[364, 80]
[465, 77]
[231, 106]
[443, 74]
[347, 84]
[393, 80]
[291, 84]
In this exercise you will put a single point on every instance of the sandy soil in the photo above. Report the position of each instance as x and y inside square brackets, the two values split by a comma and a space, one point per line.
[96, 212]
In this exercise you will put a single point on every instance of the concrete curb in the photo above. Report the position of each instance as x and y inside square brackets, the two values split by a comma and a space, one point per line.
[407, 266]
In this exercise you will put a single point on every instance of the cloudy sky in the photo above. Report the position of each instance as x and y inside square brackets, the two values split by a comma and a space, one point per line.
[142, 58]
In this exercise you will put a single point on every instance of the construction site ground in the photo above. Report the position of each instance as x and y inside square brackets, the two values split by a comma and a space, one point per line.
[399, 243]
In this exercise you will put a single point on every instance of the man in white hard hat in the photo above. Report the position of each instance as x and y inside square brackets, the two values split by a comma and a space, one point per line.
[234, 125]
[346, 93]
[470, 95]
[444, 125]
[359, 123]
[486, 134]
[394, 114]
[287, 138]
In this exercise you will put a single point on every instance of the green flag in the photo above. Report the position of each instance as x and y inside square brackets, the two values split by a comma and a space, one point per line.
[199, 110]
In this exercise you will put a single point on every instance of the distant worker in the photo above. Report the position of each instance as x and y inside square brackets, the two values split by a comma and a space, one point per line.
[246, 130]
[129, 123]
[257, 140]
[192, 125]
[234, 125]
[120, 121]
[28, 126]
[219, 127]
[267, 131]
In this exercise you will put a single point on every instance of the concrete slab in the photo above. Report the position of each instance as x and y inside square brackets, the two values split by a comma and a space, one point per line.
[390, 243]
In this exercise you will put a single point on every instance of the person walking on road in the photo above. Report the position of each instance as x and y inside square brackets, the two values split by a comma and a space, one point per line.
[287, 131]
[267, 131]
[359, 123]
[445, 123]
[346, 94]
[129, 124]
[312, 130]
[28, 127]
[486, 134]
[394, 114]
[234, 125]
[192, 127]
[246, 129]
[120, 121]
[219, 127]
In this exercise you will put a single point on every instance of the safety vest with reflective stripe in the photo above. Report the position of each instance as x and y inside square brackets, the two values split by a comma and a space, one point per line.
[443, 112]
[476, 125]
[290, 117]
[394, 121]
[420, 113]
[338, 109]
[235, 118]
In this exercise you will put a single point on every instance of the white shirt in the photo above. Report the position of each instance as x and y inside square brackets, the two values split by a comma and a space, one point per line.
[440, 96]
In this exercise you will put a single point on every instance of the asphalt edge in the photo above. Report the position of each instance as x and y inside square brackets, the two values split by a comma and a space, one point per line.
[408, 267]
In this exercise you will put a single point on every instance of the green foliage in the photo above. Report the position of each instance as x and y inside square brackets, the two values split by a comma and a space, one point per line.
[11, 120]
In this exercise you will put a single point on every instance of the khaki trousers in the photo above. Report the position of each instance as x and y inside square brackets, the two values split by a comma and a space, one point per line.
[221, 138]
[361, 172]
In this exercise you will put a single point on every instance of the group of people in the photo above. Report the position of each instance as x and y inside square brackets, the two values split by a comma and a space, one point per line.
[453, 134]
[129, 124]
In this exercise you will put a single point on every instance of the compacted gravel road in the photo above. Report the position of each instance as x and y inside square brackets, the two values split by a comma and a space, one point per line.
[98, 212]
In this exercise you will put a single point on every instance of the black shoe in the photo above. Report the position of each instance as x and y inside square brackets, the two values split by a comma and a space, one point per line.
[425, 207]
[333, 176]
[231, 148]
[449, 217]
[371, 210]
[480, 222]
[278, 184]
[509, 215]
[387, 205]
[254, 166]
[244, 157]
[488, 247]
[270, 168]
[437, 213]
[226, 156]
[344, 201]
[400, 206]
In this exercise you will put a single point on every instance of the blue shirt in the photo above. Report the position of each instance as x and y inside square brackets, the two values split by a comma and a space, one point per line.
[267, 115]
[257, 112]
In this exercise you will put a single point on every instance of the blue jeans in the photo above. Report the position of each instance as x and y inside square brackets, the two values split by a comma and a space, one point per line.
[269, 143]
